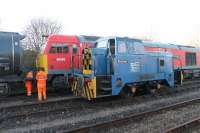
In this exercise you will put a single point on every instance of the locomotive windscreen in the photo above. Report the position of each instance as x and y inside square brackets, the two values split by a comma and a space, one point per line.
[190, 59]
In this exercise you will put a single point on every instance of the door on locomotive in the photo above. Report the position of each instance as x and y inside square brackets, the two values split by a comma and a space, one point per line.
[105, 65]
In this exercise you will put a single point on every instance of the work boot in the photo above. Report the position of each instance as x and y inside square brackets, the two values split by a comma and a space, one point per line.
[39, 98]
[45, 97]
[29, 94]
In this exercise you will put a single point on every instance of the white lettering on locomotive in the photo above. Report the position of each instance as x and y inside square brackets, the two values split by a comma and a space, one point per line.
[60, 59]
[135, 66]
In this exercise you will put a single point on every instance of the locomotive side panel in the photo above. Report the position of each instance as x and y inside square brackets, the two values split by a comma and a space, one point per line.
[198, 58]
[178, 57]
[10, 53]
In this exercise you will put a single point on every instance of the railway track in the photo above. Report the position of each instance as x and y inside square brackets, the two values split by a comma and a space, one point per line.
[33, 108]
[185, 127]
[71, 107]
[74, 103]
[136, 117]
[44, 108]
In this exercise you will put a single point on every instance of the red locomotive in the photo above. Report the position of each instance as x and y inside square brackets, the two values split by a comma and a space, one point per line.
[61, 55]
[186, 59]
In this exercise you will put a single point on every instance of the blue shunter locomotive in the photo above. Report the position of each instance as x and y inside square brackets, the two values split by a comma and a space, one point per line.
[120, 66]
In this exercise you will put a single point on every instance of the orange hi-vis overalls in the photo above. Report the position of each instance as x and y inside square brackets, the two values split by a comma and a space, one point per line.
[29, 78]
[41, 78]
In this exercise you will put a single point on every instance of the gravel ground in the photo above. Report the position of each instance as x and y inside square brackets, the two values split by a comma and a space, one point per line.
[43, 107]
[69, 120]
[195, 130]
[23, 99]
[161, 121]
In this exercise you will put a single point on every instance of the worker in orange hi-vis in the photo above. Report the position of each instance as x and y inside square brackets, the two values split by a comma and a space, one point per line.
[41, 78]
[29, 82]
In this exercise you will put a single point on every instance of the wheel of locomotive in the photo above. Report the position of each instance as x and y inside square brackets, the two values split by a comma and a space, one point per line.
[128, 91]
[4, 90]
[60, 84]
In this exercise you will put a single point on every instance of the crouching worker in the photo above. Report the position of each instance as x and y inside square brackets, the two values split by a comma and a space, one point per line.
[29, 82]
[41, 78]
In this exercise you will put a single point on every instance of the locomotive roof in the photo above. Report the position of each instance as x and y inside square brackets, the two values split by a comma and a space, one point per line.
[156, 44]
[63, 38]
[170, 45]
[8, 34]
[73, 38]
[125, 38]
[160, 45]
[84, 38]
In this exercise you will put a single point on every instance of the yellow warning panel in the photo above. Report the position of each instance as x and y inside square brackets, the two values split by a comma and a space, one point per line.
[93, 87]
[41, 61]
[87, 71]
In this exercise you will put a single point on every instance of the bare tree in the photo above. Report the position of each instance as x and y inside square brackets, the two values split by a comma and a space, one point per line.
[36, 30]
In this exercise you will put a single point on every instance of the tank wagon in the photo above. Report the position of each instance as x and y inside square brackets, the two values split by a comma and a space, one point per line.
[10, 62]
[120, 66]
[60, 56]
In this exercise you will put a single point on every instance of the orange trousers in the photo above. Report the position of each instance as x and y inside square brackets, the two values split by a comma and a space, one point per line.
[28, 88]
[41, 92]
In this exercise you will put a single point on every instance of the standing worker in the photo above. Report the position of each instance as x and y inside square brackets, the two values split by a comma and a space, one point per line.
[29, 80]
[41, 78]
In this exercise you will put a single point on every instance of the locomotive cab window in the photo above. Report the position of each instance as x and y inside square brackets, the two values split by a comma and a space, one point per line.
[53, 50]
[102, 44]
[190, 59]
[74, 49]
[162, 63]
[65, 49]
[59, 48]
[112, 46]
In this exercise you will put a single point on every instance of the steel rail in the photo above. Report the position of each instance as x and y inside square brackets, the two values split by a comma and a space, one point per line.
[47, 111]
[184, 127]
[130, 118]
[40, 103]
[33, 105]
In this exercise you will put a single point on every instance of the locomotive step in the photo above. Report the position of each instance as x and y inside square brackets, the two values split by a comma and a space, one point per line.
[105, 82]
[106, 89]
